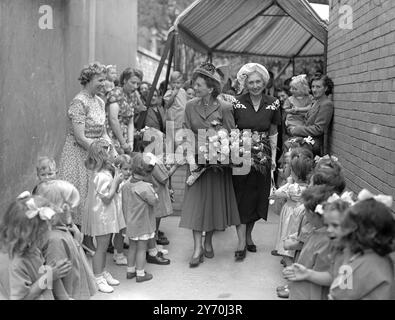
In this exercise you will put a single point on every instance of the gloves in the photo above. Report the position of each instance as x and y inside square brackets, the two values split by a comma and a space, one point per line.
[273, 145]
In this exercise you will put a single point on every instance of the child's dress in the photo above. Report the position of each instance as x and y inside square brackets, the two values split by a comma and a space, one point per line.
[366, 276]
[315, 255]
[79, 283]
[290, 215]
[160, 179]
[101, 218]
[24, 271]
[138, 201]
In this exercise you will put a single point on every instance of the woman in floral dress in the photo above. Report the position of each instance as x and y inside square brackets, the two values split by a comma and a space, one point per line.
[87, 123]
[123, 105]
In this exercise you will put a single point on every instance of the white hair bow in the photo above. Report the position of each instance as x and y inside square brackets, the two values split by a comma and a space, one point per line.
[319, 209]
[366, 194]
[346, 197]
[309, 140]
[326, 157]
[45, 213]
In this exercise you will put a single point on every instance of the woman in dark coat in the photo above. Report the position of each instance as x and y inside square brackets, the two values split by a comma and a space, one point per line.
[257, 112]
[319, 117]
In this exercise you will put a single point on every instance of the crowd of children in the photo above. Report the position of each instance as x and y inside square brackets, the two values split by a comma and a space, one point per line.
[333, 245]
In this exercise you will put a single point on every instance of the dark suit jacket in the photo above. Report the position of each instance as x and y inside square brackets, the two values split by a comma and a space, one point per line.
[316, 123]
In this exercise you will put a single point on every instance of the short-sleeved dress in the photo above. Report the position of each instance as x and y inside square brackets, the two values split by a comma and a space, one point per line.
[253, 189]
[366, 276]
[290, 215]
[24, 271]
[101, 218]
[127, 109]
[88, 110]
[210, 203]
[315, 255]
[138, 201]
[79, 283]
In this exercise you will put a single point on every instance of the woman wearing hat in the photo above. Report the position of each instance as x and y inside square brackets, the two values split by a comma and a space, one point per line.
[262, 114]
[210, 203]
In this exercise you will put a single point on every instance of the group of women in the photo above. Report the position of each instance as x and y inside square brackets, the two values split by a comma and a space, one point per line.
[217, 199]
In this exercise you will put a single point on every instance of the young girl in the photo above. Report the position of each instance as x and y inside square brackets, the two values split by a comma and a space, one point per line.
[102, 218]
[299, 103]
[315, 252]
[301, 164]
[138, 201]
[365, 270]
[160, 178]
[124, 163]
[23, 231]
[334, 212]
[64, 242]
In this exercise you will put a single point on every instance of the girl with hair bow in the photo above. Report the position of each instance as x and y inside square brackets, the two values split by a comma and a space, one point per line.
[365, 268]
[23, 231]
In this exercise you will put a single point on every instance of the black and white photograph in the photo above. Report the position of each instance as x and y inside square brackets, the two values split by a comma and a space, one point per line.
[211, 152]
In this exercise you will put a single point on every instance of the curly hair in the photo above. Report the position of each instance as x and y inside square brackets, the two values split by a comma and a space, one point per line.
[316, 195]
[302, 163]
[98, 158]
[369, 224]
[20, 235]
[91, 70]
[128, 73]
[301, 83]
[329, 173]
[122, 160]
[138, 164]
[327, 82]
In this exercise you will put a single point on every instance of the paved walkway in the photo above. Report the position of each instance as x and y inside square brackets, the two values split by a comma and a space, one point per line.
[256, 278]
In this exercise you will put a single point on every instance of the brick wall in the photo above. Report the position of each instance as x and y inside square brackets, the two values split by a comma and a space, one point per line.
[361, 62]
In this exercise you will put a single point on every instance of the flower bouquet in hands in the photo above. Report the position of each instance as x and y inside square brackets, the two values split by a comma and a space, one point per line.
[254, 146]
[214, 153]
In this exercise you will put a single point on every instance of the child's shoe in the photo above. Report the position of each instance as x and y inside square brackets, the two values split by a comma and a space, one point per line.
[120, 259]
[103, 286]
[110, 280]
[130, 275]
[147, 276]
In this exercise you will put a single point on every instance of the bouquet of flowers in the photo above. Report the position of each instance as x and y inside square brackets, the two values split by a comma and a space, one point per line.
[253, 146]
[215, 153]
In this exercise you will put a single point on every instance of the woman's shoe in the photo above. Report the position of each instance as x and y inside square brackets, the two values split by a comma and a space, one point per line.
[209, 254]
[241, 254]
[251, 247]
[196, 261]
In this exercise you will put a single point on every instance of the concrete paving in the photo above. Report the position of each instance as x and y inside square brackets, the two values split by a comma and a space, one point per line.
[220, 278]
